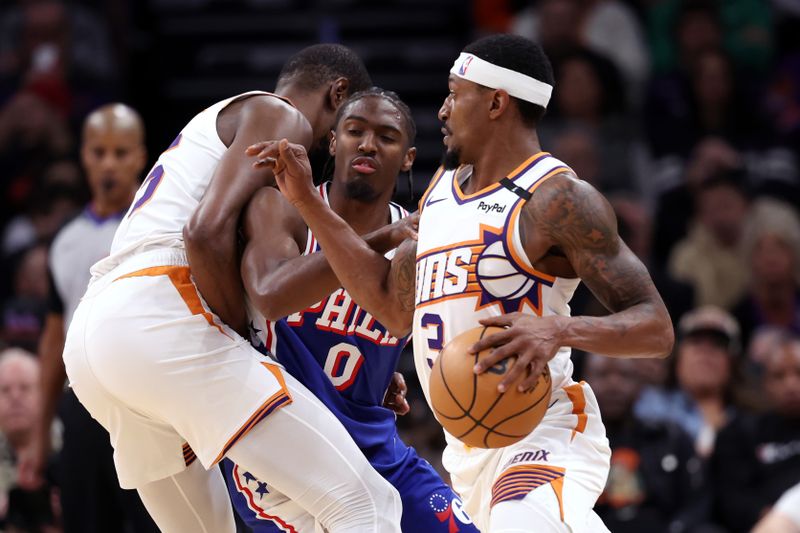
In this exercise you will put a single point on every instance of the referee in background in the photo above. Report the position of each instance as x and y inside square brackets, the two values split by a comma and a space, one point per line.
[113, 156]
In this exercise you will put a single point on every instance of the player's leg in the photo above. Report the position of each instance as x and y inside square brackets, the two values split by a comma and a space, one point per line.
[192, 500]
[208, 386]
[550, 481]
[429, 504]
[305, 453]
[262, 506]
[548, 509]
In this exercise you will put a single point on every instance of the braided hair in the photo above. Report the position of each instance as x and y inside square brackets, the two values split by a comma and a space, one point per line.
[409, 125]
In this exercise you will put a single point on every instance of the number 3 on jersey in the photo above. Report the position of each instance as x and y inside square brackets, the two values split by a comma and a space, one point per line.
[342, 365]
[434, 325]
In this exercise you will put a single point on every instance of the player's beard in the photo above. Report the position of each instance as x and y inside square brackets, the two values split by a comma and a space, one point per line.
[361, 190]
[451, 159]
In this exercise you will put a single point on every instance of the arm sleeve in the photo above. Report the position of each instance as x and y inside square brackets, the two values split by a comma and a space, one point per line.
[55, 304]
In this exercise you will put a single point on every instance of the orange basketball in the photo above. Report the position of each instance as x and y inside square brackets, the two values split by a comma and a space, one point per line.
[470, 407]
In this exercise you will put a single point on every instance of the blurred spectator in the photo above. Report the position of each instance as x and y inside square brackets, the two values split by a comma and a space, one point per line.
[783, 99]
[50, 207]
[52, 47]
[587, 113]
[655, 482]
[772, 251]
[705, 372]
[785, 516]
[678, 28]
[675, 207]
[607, 27]
[21, 510]
[579, 145]
[31, 135]
[710, 257]
[113, 156]
[23, 312]
[703, 99]
[757, 457]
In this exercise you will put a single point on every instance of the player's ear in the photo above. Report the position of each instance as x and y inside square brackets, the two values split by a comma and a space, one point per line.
[408, 159]
[499, 103]
[338, 92]
[332, 143]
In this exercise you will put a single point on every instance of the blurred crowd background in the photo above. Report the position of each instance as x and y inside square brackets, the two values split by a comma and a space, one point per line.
[685, 113]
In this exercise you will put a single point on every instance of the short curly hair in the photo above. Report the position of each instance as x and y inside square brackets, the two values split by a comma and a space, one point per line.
[317, 65]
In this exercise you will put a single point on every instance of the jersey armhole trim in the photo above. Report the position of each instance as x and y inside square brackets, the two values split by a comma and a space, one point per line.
[513, 237]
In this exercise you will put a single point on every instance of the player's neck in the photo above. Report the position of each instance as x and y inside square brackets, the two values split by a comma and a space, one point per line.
[308, 103]
[500, 156]
[363, 216]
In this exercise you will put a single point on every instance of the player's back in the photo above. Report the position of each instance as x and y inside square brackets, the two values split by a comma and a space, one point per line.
[172, 189]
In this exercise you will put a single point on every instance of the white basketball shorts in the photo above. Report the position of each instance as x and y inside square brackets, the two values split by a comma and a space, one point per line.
[161, 373]
[547, 482]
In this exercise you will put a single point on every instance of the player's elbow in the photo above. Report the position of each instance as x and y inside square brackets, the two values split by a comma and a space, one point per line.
[397, 324]
[194, 234]
[269, 305]
[665, 338]
[204, 230]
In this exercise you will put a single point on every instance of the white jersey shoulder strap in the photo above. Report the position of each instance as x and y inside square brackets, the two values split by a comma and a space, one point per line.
[528, 183]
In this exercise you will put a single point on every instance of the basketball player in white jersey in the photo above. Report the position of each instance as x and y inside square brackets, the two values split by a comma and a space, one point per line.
[163, 368]
[506, 234]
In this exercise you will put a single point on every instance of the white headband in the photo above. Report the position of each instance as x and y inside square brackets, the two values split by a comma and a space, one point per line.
[519, 85]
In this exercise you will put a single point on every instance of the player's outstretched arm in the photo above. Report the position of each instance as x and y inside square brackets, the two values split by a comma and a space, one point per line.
[573, 217]
[384, 288]
[211, 234]
[278, 279]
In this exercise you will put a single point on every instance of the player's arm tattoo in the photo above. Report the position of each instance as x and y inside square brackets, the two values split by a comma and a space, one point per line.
[404, 274]
[574, 218]
[581, 223]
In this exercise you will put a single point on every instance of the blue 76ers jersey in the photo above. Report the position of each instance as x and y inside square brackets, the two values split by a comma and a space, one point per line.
[346, 358]
[343, 355]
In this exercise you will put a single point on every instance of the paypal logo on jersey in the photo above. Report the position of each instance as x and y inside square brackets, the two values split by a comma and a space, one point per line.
[489, 208]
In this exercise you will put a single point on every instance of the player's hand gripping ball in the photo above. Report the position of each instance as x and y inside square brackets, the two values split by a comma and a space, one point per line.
[470, 407]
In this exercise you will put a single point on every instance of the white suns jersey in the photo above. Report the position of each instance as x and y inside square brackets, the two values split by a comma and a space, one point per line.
[172, 190]
[471, 264]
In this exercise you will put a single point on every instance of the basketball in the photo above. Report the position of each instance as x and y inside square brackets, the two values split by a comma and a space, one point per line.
[470, 407]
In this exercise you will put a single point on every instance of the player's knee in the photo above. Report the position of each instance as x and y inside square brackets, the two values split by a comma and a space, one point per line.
[371, 505]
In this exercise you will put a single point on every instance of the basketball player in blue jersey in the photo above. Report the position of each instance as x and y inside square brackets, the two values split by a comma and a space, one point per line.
[506, 233]
[300, 313]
